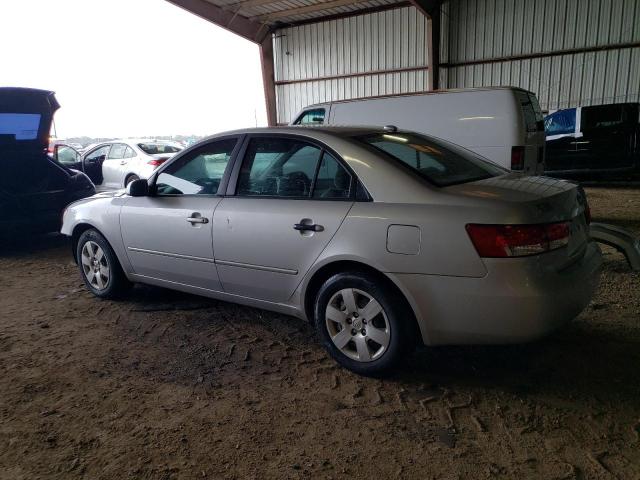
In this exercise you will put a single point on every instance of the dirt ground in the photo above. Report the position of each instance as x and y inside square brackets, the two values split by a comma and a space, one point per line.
[166, 385]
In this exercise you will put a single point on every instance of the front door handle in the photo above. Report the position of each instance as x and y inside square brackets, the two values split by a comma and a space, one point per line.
[305, 227]
[194, 219]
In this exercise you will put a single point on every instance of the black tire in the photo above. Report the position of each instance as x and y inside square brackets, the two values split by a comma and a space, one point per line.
[117, 283]
[130, 179]
[395, 312]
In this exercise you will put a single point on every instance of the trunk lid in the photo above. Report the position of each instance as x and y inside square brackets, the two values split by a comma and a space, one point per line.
[533, 200]
[26, 116]
[25, 121]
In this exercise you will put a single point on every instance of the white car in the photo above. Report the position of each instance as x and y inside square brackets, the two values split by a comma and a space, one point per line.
[117, 163]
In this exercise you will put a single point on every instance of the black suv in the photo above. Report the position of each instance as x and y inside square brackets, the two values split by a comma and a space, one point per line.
[34, 189]
[597, 141]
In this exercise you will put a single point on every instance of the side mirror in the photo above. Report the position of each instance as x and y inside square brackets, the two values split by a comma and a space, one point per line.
[138, 188]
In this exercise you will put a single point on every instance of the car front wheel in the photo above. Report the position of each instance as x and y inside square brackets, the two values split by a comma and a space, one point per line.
[130, 179]
[363, 324]
[99, 266]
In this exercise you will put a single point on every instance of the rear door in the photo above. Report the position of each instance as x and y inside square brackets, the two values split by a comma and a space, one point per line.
[534, 138]
[290, 196]
[113, 166]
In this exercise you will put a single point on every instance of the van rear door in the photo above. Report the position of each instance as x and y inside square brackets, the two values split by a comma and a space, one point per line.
[533, 159]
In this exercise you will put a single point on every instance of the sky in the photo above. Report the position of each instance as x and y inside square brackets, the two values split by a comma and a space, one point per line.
[123, 68]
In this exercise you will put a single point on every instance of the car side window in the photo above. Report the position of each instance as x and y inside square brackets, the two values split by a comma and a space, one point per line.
[117, 151]
[333, 180]
[199, 172]
[278, 167]
[98, 154]
[603, 116]
[311, 117]
[562, 122]
[129, 153]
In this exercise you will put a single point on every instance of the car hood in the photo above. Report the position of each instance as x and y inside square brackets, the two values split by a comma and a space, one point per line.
[26, 115]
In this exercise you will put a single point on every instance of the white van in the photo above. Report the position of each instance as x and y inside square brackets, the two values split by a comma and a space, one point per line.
[503, 124]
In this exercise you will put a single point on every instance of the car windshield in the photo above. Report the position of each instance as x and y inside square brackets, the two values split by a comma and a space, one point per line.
[441, 163]
[158, 148]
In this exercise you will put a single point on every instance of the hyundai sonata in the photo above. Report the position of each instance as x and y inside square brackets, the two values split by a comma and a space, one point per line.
[383, 239]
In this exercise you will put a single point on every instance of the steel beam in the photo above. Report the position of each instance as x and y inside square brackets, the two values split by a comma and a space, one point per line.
[552, 53]
[431, 9]
[353, 75]
[246, 28]
[268, 79]
[306, 10]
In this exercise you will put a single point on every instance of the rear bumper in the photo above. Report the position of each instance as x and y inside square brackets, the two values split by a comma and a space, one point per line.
[517, 301]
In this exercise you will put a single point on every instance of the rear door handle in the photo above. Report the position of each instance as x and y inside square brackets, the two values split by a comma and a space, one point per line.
[193, 220]
[305, 227]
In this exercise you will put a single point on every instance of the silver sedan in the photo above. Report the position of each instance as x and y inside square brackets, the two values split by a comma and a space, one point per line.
[383, 239]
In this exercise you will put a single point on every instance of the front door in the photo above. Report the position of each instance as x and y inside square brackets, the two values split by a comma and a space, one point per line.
[68, 156]
[167, 234]
[92, 163]
[290, 200]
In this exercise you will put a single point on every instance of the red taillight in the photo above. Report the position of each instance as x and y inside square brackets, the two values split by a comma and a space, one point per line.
[500, 241]
[157, 161]
[517, 158]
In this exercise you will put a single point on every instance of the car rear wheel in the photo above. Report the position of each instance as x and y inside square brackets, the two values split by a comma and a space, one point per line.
[99, 266]
[364, 325]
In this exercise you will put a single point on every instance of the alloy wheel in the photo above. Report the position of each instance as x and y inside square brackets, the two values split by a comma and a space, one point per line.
[95, 265]
[358, 325]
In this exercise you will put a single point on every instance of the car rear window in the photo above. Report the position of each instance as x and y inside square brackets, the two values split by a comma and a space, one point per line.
[20, 126]
[158, 148]
[441, 163]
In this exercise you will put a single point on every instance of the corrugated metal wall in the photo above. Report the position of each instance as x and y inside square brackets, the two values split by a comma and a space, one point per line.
[480, 30]
[316, 62]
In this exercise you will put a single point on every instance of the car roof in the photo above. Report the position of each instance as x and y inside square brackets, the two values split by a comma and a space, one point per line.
[415, 94]
[342, 131]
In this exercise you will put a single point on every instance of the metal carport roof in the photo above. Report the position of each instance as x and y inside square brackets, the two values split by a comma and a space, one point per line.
[256, 20]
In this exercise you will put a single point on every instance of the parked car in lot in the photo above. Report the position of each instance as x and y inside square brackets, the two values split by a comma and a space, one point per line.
[503, 124]
[382, 238]
[601, 140]
[34, 189]
[117, 163]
